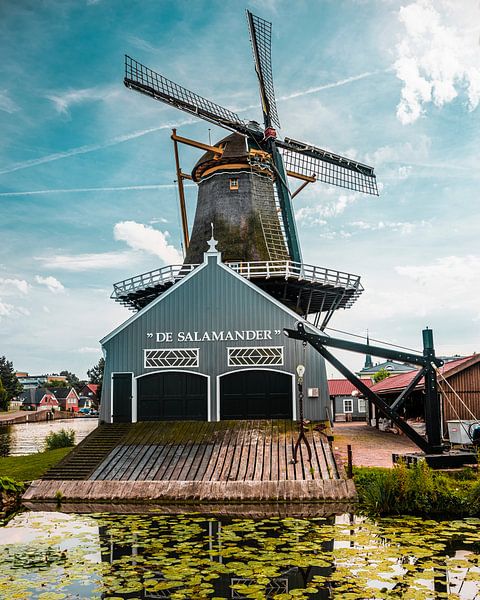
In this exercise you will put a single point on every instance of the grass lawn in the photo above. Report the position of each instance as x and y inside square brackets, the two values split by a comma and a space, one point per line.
[32, 466]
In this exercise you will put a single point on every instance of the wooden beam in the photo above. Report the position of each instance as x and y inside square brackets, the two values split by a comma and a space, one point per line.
[298, 190]
[195, 144]
[181, 191]
[309, 178]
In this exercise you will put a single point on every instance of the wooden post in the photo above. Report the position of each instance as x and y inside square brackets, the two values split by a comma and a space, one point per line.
[181, 193]
[349, 462]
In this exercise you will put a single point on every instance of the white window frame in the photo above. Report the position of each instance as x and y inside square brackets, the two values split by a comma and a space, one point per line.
[345, 400]
[362, 405]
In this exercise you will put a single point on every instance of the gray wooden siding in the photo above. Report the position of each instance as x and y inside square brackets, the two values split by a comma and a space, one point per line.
[212, 299]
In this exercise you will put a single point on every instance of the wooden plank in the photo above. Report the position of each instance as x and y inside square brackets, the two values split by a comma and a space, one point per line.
[205, 459]
[267, 452]
[109, 473]
[204, 435]
[222, 455]
[148, 439]
[240, 458]
[320, 457]
[106, 464]
[289, 443]
[231, 451]
[219, 441]
[257, 474]
[252, 442]
[330, 459]
[159, 469]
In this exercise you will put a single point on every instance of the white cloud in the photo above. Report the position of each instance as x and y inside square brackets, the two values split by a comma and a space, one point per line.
[51, 283]
[64, 100]
[437, 58]
[147, 239]
[87, 262]
[9, 310]
[451, 283]
[12, 286]
[6, 309]
[6, 103]
[89, 350]
[403, 227]
[408, 152]
[316, 215]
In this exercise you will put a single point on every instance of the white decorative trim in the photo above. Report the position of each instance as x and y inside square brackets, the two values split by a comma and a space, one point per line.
[294, 389]
[255, 356]
[164, 358]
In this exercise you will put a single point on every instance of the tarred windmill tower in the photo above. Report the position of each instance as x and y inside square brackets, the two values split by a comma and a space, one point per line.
[243, 191]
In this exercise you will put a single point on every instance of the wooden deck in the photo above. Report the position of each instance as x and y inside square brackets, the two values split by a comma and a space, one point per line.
[198, 462]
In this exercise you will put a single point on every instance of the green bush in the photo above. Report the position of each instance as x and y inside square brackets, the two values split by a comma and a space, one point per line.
[416, 490]
[60, 439]
[9, 485]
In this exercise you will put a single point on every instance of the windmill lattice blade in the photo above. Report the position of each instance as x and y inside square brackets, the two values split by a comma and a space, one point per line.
[327, 166]
[261, 38]
[141, 78]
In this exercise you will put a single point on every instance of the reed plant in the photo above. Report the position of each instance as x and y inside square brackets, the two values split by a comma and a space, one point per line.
[60, 439]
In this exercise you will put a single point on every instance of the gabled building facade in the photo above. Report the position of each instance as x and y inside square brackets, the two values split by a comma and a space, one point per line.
[38, 399]
[67, 398]
[346, 402]
[210, 348]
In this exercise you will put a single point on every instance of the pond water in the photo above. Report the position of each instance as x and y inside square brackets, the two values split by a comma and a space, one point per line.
[28, 438]
[53, 555]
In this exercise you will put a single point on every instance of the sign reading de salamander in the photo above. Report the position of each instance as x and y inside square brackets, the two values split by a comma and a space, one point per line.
[214, 336]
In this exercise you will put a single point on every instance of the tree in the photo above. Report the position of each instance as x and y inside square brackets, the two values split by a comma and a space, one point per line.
[4, 403]
[10, 382]
[72, 379]
[380, 375]
[56, 383]
[95, 375]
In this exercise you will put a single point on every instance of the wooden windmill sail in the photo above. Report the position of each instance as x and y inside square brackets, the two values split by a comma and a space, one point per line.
[264, 148]
[243, 190]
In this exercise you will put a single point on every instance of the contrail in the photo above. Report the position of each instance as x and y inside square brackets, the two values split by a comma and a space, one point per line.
[319, 88]
[328, 86]
[124, 188]
[136, 134]
[90, 147]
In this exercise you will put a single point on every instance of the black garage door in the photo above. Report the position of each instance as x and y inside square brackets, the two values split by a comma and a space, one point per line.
[172, 397]
[256, 395]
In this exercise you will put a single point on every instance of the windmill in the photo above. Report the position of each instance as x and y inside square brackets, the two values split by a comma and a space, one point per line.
[258, 228]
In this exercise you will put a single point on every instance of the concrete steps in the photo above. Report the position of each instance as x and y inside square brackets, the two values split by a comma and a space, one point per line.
[85, 457]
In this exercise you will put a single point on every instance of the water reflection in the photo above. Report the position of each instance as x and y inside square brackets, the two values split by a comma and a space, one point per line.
[28, 438]
[195, 557]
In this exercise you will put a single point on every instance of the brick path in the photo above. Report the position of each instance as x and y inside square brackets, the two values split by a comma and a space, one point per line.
[370, 447]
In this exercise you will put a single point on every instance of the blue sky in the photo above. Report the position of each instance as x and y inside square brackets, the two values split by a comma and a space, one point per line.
[86, 166]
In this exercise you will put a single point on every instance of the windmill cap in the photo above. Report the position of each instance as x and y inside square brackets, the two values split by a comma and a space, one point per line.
[235, 150]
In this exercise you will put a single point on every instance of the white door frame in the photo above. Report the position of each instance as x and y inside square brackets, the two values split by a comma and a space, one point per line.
[292, 375]
[209, 410]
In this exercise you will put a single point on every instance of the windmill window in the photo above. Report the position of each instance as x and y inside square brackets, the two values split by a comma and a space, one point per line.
[234, 183]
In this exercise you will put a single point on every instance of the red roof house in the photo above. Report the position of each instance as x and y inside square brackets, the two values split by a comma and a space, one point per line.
[346, 402]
